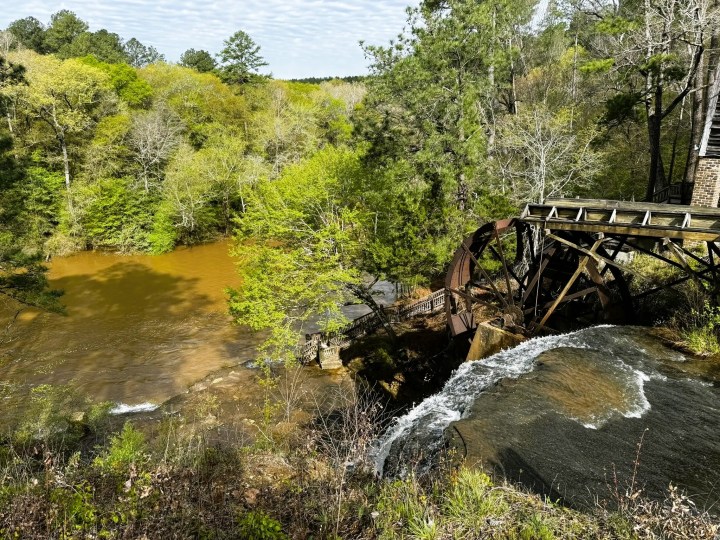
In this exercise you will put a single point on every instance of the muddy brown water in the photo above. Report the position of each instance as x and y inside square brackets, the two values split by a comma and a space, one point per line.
[139, 330]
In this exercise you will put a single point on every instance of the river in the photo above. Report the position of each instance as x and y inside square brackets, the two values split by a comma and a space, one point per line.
[139, 330]
[560, 413]
[570, 415]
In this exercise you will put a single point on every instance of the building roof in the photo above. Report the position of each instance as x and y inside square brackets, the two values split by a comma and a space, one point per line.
[710, 143]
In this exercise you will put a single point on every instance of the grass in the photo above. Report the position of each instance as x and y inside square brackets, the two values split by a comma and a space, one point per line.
[173, 481]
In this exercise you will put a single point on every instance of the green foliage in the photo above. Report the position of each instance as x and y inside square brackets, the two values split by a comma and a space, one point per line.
[163, 235]
[470, 499]
[103, 45]
[114, 215]
[200, 60]
[64, 28]
[126, 448]
[536, 529]
[124, 79]
[42, 194]
[76, 510]
[54, 415]
[259, 526]
[139, 55]
[30, 33]
[296, 246]
[240, 58]
[702, 336]
[26, 210]
[600, 65]
[425, 119]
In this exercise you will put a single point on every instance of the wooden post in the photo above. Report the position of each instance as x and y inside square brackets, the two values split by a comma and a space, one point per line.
[581, 266]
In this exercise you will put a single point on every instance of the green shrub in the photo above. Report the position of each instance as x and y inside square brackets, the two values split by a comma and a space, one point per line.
[125, 449]
[702, 335]
[49, 417]
[163, 235]
[115, 215]
[259, 526]
[74, 511]
[470, 499]
[536, 529]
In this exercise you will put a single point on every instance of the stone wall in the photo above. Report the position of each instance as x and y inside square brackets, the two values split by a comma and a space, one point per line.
[707, 183]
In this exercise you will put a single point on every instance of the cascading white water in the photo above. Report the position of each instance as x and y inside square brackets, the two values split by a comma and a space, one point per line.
[429, 419]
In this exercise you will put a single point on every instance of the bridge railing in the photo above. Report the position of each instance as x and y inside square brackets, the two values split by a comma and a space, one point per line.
[367, 324]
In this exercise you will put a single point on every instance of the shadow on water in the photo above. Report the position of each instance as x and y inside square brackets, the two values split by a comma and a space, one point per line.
[131, 334]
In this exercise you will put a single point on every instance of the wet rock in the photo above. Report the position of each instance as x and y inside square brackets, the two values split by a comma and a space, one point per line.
[489, 340]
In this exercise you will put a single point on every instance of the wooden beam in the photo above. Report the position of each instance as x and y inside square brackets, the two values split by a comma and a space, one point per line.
[606, 204]
[581, 266]
[536, 277]
[596, 256]
[681, 257]
[505, 266]
[618, 249]
[472, 298]
[567, 298]
[485, 275]
[628, 229]
[602, 289]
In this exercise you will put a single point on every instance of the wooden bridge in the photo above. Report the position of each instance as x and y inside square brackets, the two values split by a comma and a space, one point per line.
[559, 265]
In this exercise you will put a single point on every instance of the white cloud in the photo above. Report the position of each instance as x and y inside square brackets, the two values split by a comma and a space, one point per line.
[298, 38]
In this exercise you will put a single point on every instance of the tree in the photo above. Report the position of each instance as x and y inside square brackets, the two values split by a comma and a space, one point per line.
[652, 51]
[200, 60]
[429, 120]
[8, 42]
[64, 95]
[22, 276]
[540, 156]
[140, 55]
[153, 138]
[64, 27]
[30, 33]
[124, 79]
[240, 58]
[297, 247]
[226, 166]
[103, 45]
[189, 194]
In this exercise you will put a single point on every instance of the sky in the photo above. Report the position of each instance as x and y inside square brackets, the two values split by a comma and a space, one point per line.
[298, 38]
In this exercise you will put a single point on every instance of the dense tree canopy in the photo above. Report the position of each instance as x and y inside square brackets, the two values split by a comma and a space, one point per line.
[201, 60]
[465, 117]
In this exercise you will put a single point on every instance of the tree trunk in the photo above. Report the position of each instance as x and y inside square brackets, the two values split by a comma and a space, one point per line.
[66, 162]
[697, 123]
[364, 295]
[656, 173]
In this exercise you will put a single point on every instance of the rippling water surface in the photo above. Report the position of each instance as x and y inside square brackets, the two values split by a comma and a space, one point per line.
[139, 329]
[567, 414]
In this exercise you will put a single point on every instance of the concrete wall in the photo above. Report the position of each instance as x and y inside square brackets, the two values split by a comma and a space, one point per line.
[707, 183]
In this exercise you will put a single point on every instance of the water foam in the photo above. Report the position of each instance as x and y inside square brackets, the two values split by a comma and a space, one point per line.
[124, 408]
[437, 412]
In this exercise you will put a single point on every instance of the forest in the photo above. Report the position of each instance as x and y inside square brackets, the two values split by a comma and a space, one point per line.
[474, 111]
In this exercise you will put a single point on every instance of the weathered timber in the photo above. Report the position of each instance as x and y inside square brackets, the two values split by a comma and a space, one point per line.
[693, 223]
[567, 262]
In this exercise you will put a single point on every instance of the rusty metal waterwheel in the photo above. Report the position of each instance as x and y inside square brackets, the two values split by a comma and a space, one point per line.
[508, 272]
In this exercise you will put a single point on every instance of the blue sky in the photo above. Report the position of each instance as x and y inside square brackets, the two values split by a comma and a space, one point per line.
[298, 38]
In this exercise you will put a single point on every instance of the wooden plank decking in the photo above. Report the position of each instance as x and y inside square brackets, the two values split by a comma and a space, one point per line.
[635, 219]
